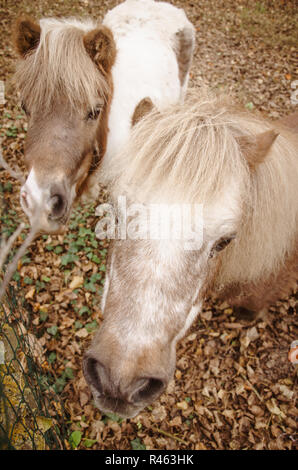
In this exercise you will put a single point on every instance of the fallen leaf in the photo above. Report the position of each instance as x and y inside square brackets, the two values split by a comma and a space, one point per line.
[273, 408]
[159, 413]
[182, 405]
[76, 282]
[44, 423]
[286, 391]
[30, 293]
[82, 333]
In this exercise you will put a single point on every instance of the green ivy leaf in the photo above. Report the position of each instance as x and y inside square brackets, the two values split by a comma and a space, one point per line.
[43, 315]
[136, 444]
[91, 326]
[52, 330]
[78, 325]
[83, 310]
[113, 417]
[69, 372]
[75, 439]
[52, 357]
[89, 286]
[69, 258]
[89, 442]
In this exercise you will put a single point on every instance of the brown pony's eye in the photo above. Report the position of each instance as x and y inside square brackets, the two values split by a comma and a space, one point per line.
[221, 245]
[94, 113]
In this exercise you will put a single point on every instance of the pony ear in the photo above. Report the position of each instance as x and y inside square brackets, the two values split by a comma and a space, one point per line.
[256, 148]
[101, 47]
[142, 108]
[26, 35]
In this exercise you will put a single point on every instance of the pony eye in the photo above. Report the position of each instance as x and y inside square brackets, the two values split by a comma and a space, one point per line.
[221, 245]
[94, 113]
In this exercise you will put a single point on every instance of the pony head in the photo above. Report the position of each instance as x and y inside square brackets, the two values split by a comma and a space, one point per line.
[64, 79]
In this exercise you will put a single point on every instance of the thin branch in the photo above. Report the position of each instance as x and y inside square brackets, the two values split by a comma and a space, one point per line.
[252, 387]
[168, 434]
[15, 174]
[6, 245]
[14, 263]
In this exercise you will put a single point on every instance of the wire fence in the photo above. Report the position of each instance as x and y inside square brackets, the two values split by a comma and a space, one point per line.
[32, 415]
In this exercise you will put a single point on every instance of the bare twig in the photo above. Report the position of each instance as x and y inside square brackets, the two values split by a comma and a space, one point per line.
[15, 174]
[21, 251]
[6, 245]
[252, 387]
[168, 434]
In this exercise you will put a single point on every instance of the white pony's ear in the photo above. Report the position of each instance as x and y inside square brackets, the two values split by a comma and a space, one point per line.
[143, 107]
[101, 47]
[26, 35]
[255, 148]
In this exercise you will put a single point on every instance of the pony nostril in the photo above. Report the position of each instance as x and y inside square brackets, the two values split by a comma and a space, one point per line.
[57, 205]
[93, 371]
[146, 389]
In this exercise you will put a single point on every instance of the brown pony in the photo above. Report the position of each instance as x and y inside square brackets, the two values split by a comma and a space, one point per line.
[242, 170]
[65, 141]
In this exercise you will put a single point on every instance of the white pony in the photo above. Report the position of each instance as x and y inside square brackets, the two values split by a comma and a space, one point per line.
[242, 170]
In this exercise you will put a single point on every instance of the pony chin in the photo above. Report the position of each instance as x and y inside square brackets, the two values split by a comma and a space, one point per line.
[122, 410]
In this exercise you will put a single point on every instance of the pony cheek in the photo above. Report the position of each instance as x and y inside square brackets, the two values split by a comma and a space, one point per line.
[28, 160]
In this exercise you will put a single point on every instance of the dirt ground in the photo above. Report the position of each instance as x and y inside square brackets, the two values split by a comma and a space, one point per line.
[234, 387]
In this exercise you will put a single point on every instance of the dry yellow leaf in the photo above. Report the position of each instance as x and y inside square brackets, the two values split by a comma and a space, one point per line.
[44, 424]
[182, 405]
[82, 333]
[30, 293]
[76, 282]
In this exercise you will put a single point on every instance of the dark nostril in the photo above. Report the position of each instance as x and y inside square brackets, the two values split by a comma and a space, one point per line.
[57, 206]
[93, 371]
[147, 388]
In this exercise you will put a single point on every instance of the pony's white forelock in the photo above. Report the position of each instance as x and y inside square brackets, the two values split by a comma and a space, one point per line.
[190, 153]
[184, 154]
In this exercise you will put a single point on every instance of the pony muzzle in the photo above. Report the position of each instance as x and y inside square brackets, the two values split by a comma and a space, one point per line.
[47, 205]
[124, 396]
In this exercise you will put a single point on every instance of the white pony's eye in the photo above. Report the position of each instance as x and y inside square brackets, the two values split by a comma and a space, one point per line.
[221, 244]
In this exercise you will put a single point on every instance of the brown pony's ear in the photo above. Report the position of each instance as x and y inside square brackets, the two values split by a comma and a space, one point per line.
[256, 148]
[26, 35]
[143, 108]
[101, 47]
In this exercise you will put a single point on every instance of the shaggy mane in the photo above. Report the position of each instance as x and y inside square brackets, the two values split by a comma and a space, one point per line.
[190, 154]
[60, 67]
